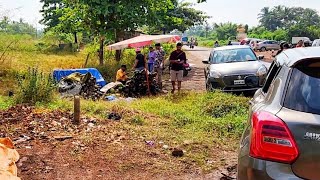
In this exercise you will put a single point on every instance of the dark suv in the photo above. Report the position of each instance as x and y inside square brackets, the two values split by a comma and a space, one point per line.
[282, 137]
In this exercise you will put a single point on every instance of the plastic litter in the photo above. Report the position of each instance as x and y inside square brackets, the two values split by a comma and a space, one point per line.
[111, 98]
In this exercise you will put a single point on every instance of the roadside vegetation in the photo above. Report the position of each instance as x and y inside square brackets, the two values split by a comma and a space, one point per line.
[279, 23]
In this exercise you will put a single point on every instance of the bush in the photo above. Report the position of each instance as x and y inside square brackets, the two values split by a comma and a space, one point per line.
[34, 87]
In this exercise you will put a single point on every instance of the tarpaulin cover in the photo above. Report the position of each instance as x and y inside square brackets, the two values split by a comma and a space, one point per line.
[8, 158]
[58, 74]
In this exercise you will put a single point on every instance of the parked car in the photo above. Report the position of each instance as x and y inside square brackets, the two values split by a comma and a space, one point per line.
[307, 42]
[268, 45]
[229, 66]
[316, 42]
[282, 136]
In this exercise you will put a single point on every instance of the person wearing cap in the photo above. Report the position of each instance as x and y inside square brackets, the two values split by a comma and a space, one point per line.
[140, 62]
[151, 59]
[158, 63]
[177, 59]
[122, 74]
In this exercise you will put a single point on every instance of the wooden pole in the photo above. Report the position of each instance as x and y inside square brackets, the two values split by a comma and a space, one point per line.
[76, 109]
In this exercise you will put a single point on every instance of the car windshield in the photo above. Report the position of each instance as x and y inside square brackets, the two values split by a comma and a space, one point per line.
[303, 90]
[233, 55]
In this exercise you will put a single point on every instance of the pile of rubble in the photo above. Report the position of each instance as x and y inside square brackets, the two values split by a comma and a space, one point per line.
[139, 85]
[31, 124]
[79, 84]
[85, 85]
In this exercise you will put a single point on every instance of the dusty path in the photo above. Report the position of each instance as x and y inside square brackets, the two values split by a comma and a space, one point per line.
[195, 79]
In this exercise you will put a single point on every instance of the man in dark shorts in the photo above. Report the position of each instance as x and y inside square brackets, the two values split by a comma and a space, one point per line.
[177, 59]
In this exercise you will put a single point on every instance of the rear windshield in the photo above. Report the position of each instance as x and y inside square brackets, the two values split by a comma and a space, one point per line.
[304, 90]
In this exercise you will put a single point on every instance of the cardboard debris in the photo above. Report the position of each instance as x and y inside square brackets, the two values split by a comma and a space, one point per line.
[8, 158]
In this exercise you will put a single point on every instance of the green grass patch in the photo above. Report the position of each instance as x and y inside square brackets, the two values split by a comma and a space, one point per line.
[6, 102]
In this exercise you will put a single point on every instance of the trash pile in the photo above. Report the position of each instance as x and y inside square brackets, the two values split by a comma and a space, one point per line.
[139, 85]
[86, 86]
[41, 125]
[79, 84]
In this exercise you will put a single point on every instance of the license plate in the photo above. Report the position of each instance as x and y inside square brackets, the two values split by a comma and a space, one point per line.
[239, 82]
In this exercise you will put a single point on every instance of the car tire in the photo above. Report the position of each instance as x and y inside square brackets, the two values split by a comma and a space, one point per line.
[263, 49]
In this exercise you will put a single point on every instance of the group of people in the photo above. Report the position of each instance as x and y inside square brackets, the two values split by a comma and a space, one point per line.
[154, 62]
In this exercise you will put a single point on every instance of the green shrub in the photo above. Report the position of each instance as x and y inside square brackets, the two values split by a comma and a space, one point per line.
[34, 87]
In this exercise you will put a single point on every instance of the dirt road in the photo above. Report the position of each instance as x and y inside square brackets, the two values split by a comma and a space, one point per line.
[195, 80]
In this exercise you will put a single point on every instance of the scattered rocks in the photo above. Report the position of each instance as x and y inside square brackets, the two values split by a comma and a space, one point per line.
[177, 152]
[114, 116]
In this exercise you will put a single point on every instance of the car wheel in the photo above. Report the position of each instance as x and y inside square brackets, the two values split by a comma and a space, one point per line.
[263, 49]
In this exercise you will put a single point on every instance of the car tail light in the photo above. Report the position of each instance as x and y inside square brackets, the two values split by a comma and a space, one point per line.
[271, 139]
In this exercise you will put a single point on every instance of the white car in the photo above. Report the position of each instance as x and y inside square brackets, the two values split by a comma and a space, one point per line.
[316, 43]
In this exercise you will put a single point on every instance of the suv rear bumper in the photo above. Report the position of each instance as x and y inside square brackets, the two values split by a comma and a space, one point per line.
[252, 168]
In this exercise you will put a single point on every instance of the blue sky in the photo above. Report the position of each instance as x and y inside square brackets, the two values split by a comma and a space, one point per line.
[238, 11]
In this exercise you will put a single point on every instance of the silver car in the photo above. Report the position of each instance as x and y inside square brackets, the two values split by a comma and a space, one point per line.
[268, 45]
[229, 66]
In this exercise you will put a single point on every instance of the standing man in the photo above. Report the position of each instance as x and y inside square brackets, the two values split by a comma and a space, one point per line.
[177, 58]
[158, 64]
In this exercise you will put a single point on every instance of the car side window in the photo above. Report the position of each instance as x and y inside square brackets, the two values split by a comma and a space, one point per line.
[272, 74]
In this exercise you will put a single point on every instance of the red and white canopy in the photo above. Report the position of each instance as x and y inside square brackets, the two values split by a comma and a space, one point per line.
[144, 40]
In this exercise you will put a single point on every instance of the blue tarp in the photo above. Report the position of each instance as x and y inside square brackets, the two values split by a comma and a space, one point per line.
[184, 39]
[58, 74]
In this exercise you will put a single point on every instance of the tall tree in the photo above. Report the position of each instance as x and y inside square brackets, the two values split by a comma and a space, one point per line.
[180, 16]
[50, 15]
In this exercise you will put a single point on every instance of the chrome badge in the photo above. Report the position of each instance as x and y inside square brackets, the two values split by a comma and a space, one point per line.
[312, 136]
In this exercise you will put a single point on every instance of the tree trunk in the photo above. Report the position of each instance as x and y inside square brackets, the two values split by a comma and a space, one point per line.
[75, 38]
[119, 37]
[101, 51]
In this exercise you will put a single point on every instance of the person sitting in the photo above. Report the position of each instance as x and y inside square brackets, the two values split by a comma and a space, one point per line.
[122, 74]
[140, 63]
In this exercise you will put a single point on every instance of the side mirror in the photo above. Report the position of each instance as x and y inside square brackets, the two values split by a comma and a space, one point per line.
[260, 57]
[252, 81]
[205, 61]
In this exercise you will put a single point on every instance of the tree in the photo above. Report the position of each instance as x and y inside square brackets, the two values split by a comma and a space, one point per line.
[281, 17]
[113, 17]
[50, 13]
[180, 16]
[226, 31]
